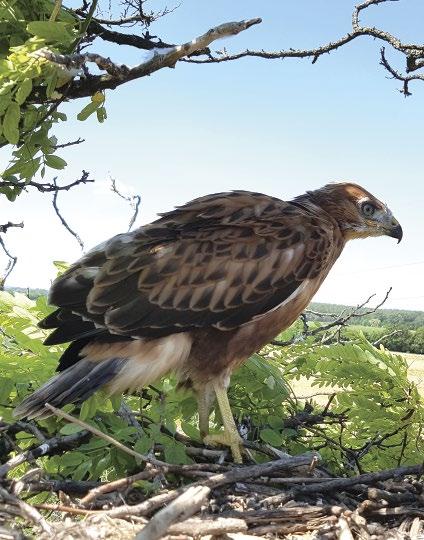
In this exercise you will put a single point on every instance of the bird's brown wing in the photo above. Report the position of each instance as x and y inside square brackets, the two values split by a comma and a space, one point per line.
[217, 262]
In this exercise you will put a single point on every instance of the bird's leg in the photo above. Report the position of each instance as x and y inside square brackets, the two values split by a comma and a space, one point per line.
[230, 436]
[205, 398]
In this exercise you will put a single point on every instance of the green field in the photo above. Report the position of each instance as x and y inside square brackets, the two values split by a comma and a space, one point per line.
[416, 369]
[303, 389]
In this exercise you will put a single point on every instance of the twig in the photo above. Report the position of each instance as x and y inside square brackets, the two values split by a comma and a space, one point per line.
[70, 143]
[215, 526]
[166, 467]
[26, 510]
[339, 321]
[9, 224]
[390, 334]
[133, 200]
[340, 484]
[63, 220]
[66, 509]
[234, 475]
[46, 187]
[48, 447]
[105, 437]
[183, 507]
[118, 485]
[406, 79]
[10, 265]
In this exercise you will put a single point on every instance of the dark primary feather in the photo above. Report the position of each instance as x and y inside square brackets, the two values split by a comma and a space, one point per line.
[216, 262]
[74, 385]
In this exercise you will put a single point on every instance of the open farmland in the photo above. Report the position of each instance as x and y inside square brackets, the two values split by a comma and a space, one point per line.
[303, 389]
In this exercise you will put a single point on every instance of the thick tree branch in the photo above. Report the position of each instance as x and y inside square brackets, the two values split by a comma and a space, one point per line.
[160, 58]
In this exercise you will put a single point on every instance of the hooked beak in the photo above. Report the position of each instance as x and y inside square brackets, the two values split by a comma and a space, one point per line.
[395, 230]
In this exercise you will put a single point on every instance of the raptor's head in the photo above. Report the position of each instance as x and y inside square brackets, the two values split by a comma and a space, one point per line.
[358, 213]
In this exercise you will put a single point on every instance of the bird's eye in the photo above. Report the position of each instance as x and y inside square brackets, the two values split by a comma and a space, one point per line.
[368, 209]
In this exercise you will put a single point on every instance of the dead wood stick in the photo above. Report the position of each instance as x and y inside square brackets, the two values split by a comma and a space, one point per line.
[118, 485]
[279, 528]
[232, 476]
[292, 480]
[74, 487]
[344, 530]
[66, 509]
[197, 527]
[367, 478]
[26, 510]
[184, 506]
[48, 447]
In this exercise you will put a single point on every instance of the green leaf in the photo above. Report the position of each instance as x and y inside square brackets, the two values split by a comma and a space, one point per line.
[82, 470]
[6, 386]
[101, 114]
[24, 91]
[70, 459]
[55, 162]
[4, 102]
[175, 453]
[271, 437]
[70, 429]
[89, 408]
[143, 445]
[11, 123]
[50, 31]
[87, 111]
[51, 84]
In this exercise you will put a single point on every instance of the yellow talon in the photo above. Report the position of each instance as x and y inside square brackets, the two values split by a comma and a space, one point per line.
[230, 436]
[226, 439]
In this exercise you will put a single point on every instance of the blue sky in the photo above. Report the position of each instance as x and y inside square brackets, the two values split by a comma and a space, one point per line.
[280, 127]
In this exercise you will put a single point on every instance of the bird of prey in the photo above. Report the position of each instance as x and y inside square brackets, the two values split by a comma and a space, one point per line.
[198, 291]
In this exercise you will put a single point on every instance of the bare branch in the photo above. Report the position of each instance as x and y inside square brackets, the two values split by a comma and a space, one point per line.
[63, 221]
[119, 74]
[25, 510]
[9, 224]
[70, 143]
[412, 51]
[339, 321]
[406, 79]
[10, 265]
[390, 334]
[183, 507]
[47, 187]
[133, 200]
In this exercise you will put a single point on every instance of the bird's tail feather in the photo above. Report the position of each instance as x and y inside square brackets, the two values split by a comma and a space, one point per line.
[74, 385]
[117, 367]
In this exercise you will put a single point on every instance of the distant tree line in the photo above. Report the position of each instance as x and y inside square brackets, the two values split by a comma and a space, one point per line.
[387, 318]
[398, 330]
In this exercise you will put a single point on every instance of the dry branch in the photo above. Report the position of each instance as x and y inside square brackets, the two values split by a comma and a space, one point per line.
[234, 475]
[183, 507]
[47, 448]
[24, 510]
[413, 52]
[118, 74]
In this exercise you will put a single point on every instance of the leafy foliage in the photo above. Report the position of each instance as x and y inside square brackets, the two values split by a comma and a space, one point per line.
[374, 420]
[25, 75]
